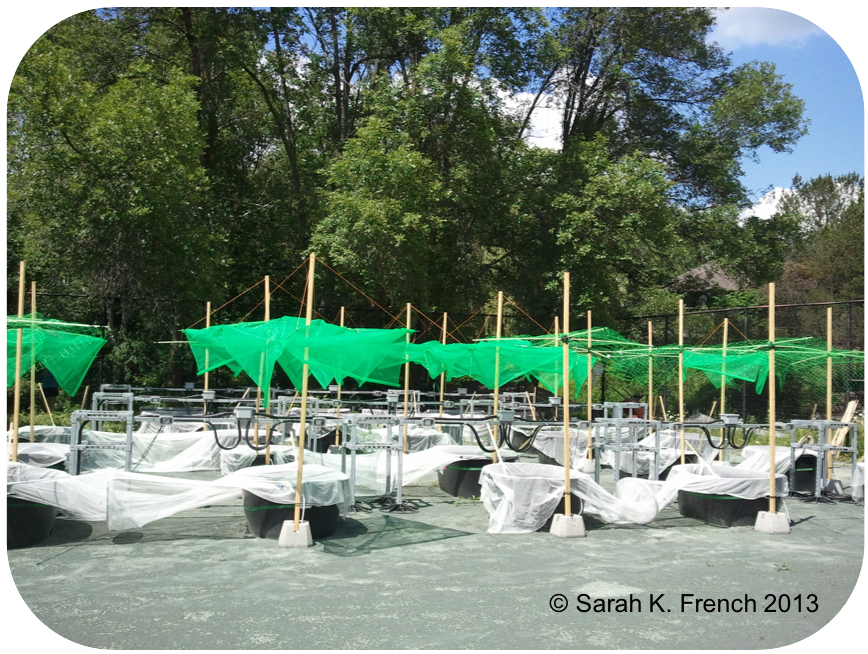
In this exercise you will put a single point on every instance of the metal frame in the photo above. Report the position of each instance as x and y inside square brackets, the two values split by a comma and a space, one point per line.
[822, 447]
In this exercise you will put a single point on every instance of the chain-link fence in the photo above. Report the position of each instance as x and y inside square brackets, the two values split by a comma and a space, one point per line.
[150, 362]
[802, 396]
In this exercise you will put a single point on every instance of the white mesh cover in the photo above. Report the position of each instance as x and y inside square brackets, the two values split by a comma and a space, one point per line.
[126, 500]
[756, 457]
[857, 486]
[520, 497]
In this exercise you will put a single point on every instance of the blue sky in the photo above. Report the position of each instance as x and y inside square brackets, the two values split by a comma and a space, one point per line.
[821, 74]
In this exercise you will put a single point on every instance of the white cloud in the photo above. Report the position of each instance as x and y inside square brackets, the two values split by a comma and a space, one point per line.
[544, 130]
[766, 206]
[749, 26]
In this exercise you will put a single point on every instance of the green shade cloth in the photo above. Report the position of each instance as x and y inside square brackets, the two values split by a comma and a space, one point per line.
[332, 353]
[495, 363]
[803, 359]
[67, 350]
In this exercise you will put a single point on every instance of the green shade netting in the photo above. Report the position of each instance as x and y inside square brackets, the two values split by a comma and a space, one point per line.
[607, 346]
[67, 350]
[332, 353]
[802, 358]
[495, 363]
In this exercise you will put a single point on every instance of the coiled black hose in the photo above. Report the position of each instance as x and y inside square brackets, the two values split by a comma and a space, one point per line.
[217, 437]
[729, 437]
[500, 437]
[528, 444]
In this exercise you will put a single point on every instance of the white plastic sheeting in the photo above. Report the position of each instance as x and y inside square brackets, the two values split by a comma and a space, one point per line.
[521, 497]
[756, 457]
[857, 485]
[188, 450]
[418, 438]
[371, 467]
[243, 457]
[43, 455]
[550, 442]
[126, 500]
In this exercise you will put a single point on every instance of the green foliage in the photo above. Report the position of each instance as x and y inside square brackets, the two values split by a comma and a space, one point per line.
[161, 157]
[827, 215]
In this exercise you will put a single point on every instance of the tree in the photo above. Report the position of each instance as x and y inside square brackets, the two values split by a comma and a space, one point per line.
[826, 260]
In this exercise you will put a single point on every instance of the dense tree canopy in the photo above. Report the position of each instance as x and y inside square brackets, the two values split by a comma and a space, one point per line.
[184, 153]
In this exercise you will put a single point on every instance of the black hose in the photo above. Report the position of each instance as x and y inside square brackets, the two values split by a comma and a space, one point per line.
[217, 437]
[724, 441]
[728, 438]
[529, 444]
[271, 429]
[255, 448]
[479, 440]
[748, 434]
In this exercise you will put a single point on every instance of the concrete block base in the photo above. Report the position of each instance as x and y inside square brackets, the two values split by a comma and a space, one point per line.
[772, 523]
[295, 539]
[334, 449]
[587, 466]
[568, 527]
[835, 486]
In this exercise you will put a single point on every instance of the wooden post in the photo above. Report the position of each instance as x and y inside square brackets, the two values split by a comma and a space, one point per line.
[47, 408]
[305, 370]
[338, 409]
[829, 383]
[590, 392]
[497, 334]
[723, 382]
[33, 363]
[16, 411]
[268, 390]
[663, 408]
[557, 331]
[681, 372]
[650, 372]
[566, 375]
[772, 382]
[442, 374]
[207, 355]
[406, 385]
[84, 397]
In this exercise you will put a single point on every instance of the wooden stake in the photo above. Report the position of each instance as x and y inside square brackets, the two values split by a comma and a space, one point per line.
[532, 408]
[338, 409]
[723, 382]
[47, 408]
[207, 354]
[302, 430]
[772, 382]
[650, 372]
[829, 383]
[16, 411]
[442, 374]
[566, 375]
[84, 397]
[33, 363]
[663, 407]
[557, 331]
[497, 335]
[407, 385]
[590, 392]
[268, 390]
[681, 372]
